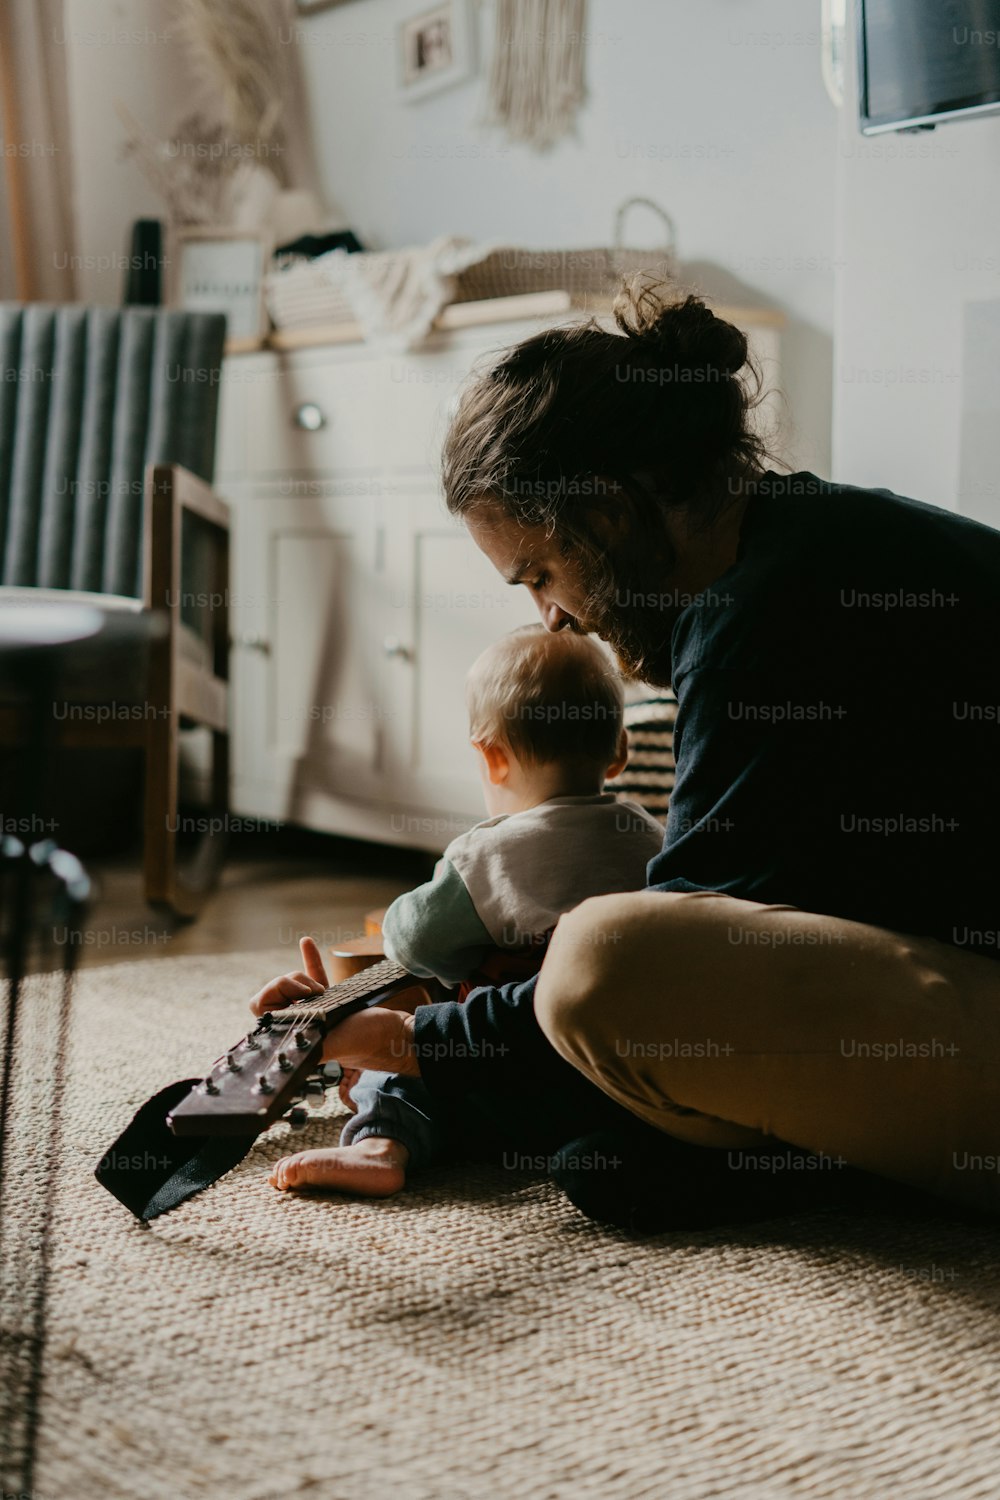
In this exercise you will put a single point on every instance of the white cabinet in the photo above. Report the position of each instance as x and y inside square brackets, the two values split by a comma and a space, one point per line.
[357, 603]
[446, 604]
[354, 623]
[306, 670]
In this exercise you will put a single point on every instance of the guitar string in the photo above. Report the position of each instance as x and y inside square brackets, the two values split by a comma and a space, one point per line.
[291, 1032]
[362, 986]
[357, 990]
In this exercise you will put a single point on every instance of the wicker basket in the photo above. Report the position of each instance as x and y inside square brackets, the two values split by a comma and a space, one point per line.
[507, 272]
[299, 295]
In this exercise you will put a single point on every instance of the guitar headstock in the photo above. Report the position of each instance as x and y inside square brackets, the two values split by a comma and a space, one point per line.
[256, 1081]
[266, 1072]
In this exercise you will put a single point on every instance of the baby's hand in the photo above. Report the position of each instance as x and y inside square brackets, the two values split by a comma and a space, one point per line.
[300, 983]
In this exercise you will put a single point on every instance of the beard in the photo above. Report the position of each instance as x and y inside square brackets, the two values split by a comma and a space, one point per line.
[630, 608]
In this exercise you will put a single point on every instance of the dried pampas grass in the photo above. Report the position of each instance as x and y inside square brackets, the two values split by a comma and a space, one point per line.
[229, 154]
[236, 56]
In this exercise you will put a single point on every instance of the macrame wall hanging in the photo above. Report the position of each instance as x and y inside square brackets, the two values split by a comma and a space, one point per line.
[536, 77]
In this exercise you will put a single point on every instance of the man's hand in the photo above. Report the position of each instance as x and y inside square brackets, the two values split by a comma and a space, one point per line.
[379, 1038]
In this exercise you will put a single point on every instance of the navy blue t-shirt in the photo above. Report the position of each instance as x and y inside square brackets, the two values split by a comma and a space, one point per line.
[837, 739]
[838, 724]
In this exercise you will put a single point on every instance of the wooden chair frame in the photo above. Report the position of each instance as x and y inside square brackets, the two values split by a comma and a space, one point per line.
[175, 688]
[178, 689]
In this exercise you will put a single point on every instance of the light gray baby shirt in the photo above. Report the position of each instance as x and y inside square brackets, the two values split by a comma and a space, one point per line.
[509, 879]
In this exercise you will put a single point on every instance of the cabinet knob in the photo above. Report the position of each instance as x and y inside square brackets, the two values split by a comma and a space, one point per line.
[392, 646]
[252, 643]
[309, 417]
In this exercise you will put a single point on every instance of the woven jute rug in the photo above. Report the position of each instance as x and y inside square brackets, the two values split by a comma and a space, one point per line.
[474, 1337]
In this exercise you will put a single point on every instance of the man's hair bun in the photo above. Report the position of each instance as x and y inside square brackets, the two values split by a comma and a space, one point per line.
[684, 333]
[664, 403]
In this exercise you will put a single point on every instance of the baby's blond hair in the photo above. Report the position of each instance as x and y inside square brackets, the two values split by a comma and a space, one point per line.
[547, 697]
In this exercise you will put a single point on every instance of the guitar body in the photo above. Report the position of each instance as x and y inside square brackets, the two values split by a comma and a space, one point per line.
[354, 954]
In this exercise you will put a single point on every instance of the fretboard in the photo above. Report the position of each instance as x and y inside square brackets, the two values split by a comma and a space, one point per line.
[384, 975]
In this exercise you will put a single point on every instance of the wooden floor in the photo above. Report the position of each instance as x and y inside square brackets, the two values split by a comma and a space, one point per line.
[272, 891]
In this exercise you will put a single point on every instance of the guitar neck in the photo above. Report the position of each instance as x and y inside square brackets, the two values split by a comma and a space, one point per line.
[260, 1077]
[382, 979]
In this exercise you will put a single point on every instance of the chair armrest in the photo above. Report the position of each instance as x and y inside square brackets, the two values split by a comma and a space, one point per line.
[191, 493]
[170, 491]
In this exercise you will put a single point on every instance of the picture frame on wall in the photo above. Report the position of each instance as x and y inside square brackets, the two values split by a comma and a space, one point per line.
[223, 270]
[435, 49]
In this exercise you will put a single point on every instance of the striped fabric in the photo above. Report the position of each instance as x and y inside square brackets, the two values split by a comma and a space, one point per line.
[649, 776]
[88, 397]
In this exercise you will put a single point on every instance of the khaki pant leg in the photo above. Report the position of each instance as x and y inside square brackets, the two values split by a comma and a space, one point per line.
[701, 1013]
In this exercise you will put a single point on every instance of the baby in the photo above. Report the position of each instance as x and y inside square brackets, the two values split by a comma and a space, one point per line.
[545, 718]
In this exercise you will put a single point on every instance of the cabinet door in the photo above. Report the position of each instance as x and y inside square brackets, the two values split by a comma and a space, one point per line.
[446, 603]
[307, 680]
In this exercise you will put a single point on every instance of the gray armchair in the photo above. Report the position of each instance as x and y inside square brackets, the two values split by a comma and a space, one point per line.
[107, 438]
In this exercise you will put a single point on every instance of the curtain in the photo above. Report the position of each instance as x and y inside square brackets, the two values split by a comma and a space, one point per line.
[36, 222]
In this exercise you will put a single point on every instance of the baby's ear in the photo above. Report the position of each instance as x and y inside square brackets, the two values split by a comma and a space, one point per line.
[621, 757]
[495, 759]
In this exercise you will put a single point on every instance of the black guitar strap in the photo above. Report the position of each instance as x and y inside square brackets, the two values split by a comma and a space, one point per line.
[151, 1170]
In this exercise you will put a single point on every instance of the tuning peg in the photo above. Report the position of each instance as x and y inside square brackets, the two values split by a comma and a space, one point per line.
[264, 1084]
[210, 1085]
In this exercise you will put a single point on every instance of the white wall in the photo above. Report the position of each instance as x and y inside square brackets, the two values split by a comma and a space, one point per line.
[919, 237]
[714, 108]
[115, 50]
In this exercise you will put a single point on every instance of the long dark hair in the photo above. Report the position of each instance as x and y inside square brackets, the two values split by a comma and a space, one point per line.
[662, 410]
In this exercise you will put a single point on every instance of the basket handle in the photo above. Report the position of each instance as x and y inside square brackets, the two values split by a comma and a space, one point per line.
[619, 234]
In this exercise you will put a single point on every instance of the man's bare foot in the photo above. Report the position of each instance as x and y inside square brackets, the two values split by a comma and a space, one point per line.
[374, 1167]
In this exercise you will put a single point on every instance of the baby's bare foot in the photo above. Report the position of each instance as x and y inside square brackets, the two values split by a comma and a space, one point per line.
[374, 1167]
[348, 1078]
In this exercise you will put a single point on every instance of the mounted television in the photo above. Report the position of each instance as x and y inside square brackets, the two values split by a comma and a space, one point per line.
[923, 61]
